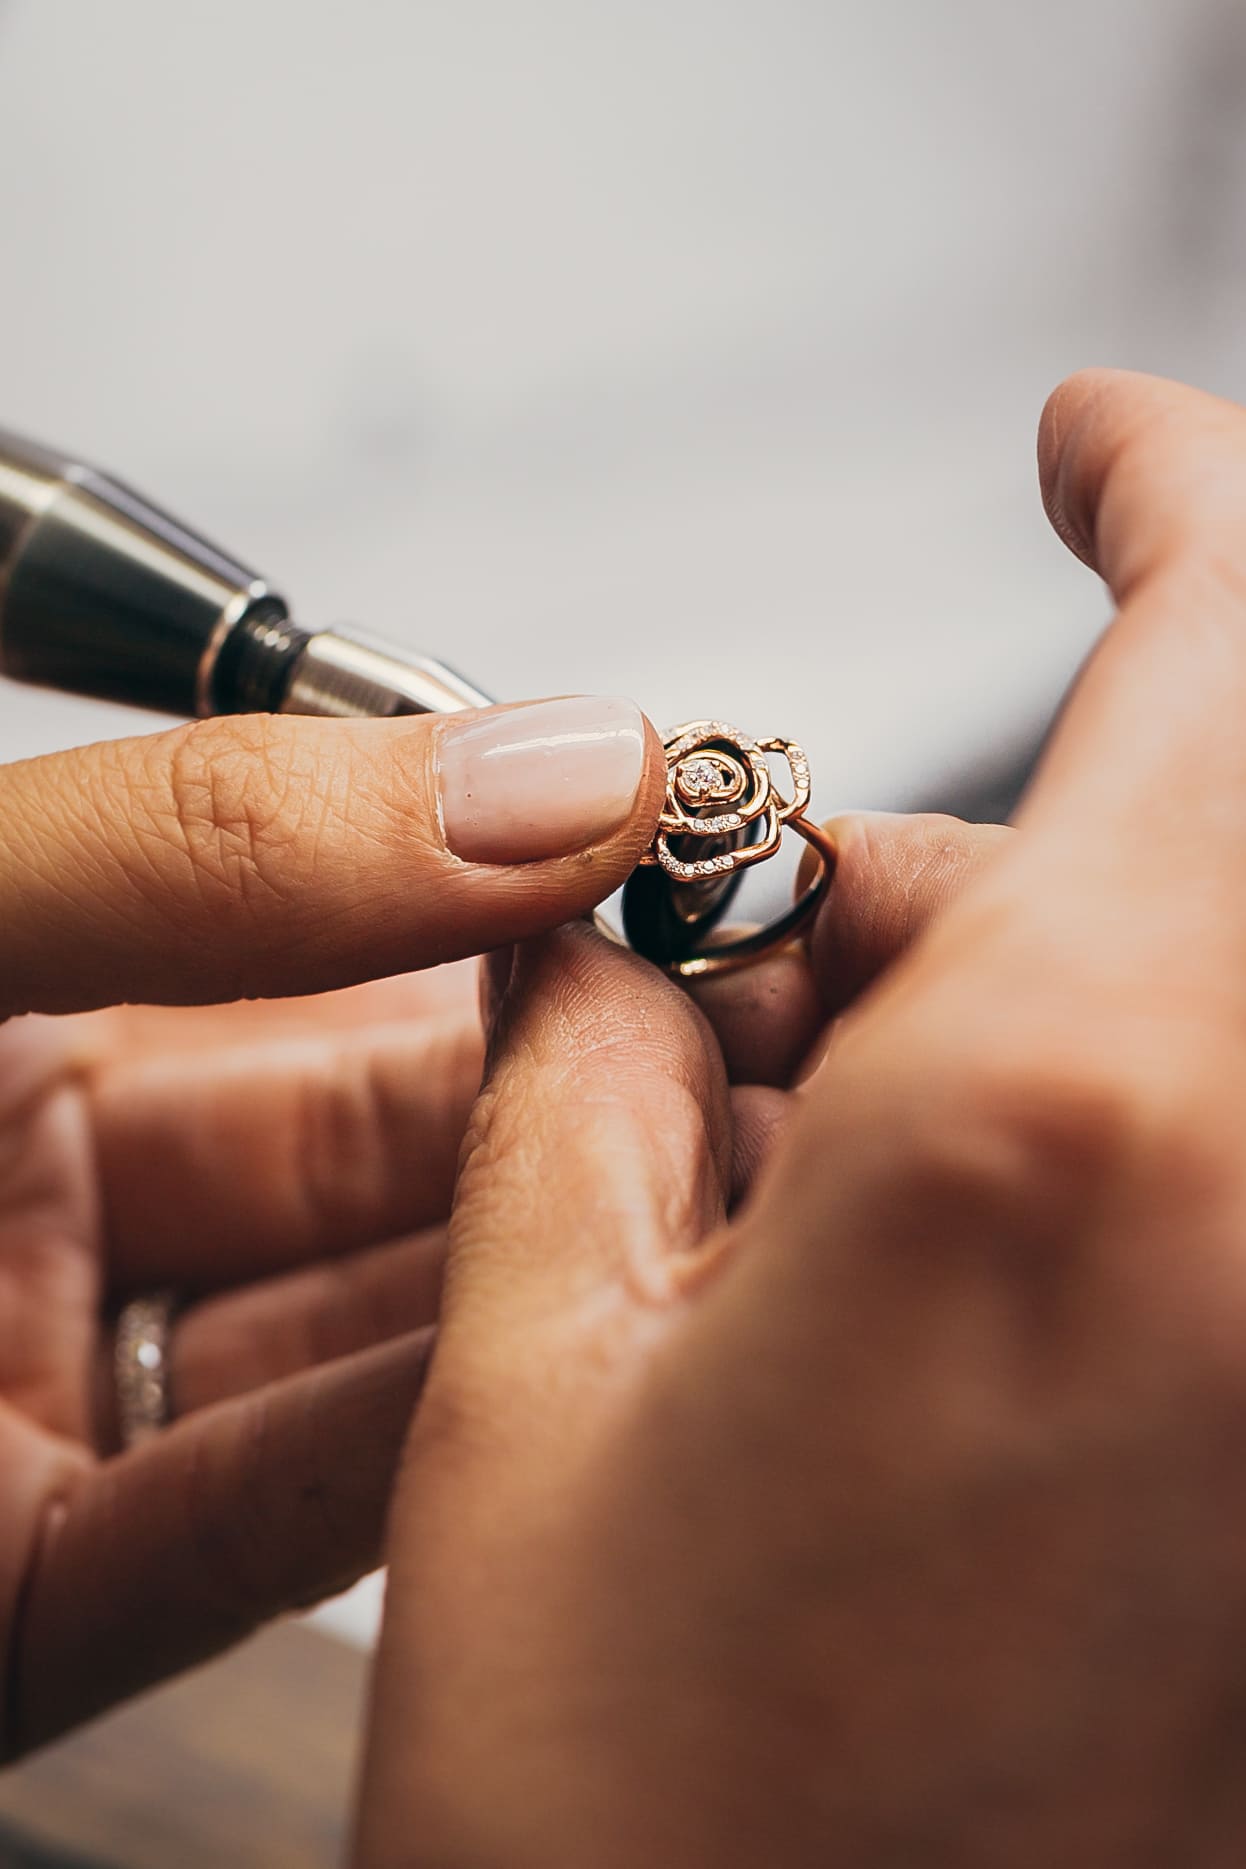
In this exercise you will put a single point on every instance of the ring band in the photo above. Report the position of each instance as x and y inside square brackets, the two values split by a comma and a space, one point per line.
[743, 950]
[723, 812]
[141, 1366]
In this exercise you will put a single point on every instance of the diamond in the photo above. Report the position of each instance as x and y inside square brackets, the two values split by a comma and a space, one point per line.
[700, 779]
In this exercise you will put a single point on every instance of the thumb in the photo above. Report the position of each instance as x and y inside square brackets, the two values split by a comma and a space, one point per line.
[259, 856]
[597, 1158]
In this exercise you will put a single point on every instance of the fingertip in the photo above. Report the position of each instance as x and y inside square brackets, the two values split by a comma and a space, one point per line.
[572, 988]
[604, 1084]
[1123, 468]
[894, 874]
[765, 1016]
[1062, 412]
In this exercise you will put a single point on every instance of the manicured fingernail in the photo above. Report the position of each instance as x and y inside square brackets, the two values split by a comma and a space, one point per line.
[528, 782]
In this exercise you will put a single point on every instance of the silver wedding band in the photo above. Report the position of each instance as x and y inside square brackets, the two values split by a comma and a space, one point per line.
[141, 1367]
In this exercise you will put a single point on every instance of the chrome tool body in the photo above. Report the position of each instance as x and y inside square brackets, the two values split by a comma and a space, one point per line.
[104, 594]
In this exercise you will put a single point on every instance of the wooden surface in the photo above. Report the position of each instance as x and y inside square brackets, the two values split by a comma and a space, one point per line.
[247, 1763]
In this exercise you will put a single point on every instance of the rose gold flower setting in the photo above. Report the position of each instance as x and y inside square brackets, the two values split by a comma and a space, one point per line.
[720, 789]
[711, 763]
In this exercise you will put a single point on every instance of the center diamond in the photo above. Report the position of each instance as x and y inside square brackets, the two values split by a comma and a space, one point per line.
[701, 779]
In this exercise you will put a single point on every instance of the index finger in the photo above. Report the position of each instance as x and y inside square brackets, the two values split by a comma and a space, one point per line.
[262, 856]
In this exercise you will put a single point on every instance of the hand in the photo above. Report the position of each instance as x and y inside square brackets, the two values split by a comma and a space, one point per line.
[901, 1520]
[285, 1168]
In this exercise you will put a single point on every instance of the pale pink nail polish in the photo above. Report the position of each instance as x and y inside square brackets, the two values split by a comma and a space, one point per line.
[522, 783]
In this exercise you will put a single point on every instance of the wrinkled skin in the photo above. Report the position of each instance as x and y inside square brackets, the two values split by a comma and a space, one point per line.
[286, 1168]
[900, 1518]
[148, 1150]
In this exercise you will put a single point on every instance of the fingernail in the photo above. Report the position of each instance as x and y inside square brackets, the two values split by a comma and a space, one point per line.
[538, 781]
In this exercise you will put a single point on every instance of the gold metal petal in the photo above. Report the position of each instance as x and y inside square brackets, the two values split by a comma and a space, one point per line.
[697, 869]
[798, 767]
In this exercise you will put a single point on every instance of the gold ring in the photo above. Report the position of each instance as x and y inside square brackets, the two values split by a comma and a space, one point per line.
[141, 1366]
[723, 812]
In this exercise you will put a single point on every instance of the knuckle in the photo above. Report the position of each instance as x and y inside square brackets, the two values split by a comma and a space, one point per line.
[258, 816]
[354, 1135]
[1076, 1196]
[1141, 1135]
[233, 807]
[1057, 1126]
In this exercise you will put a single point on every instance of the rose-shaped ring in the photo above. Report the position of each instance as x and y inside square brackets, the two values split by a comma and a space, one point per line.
[723, 812]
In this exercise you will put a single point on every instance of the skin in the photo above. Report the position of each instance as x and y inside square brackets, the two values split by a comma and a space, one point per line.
[285, 1167]
[897, 1519]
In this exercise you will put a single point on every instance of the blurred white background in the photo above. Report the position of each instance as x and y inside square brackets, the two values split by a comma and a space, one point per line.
[692, 348]
[686, 348]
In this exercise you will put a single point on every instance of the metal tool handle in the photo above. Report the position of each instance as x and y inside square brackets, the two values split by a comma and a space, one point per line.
[102, 593]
